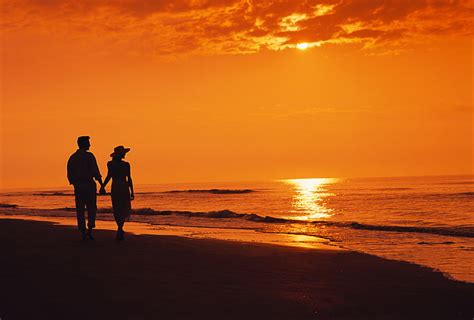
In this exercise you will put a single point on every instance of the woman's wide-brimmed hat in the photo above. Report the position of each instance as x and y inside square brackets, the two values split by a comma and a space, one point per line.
[118, 151]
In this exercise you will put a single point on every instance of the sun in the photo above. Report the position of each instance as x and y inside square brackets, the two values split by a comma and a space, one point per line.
[302, 46]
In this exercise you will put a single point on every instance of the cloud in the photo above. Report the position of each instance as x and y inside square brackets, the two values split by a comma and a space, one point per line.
[162, 27]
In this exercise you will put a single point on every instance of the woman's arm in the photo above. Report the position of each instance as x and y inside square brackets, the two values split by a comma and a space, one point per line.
[107, 179]
[130, 184]
[102, 188]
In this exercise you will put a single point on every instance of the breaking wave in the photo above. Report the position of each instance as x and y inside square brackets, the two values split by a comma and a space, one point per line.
[228, 214]
[444, 231]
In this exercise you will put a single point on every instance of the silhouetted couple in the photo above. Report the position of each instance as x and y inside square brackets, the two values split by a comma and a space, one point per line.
[82, 169]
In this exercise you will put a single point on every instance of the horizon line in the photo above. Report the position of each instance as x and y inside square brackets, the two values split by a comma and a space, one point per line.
[3, 189]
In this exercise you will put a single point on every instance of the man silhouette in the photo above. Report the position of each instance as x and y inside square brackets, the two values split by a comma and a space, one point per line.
[81, 170]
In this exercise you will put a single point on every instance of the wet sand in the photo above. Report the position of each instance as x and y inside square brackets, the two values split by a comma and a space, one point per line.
[138, 228]
[48, 273]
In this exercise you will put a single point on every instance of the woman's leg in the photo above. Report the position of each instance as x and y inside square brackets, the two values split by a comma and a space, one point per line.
[119, 222]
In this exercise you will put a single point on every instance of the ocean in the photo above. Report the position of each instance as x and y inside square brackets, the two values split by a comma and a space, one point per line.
[422, 220]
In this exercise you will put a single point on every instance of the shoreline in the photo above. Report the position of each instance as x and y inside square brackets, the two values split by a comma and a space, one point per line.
[142, 228]
[46, 268]
[226, 234]
[238, 234]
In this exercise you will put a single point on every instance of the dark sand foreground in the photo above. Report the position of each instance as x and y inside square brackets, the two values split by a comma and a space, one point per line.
[48, 273]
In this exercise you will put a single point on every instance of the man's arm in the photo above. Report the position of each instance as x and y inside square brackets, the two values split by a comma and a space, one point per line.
[107, 179]
[95, 169]
[69, 171]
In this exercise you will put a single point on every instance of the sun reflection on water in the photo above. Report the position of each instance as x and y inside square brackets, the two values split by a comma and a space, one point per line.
[309, 197]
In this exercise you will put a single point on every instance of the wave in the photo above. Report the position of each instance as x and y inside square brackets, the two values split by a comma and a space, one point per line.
[457, 183]
[53, 194]
[7, 205]
[446, 231]
[449, 195]
[467, 232]
[391, 189]
[457, 231]
[223, 214]
[210, 191]
[190, 214]
[416, 196]
[467, 194]
[213, 191]
[435, 243]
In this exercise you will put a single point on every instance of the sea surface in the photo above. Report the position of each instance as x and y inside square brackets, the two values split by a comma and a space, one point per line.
[423, 220]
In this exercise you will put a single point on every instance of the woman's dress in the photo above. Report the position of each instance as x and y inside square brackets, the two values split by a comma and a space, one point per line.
[119, 171]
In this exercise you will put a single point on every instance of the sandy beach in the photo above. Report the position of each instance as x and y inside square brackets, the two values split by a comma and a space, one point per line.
[48, 273]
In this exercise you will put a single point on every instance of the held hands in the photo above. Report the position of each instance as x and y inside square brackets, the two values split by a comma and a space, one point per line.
[102, 190]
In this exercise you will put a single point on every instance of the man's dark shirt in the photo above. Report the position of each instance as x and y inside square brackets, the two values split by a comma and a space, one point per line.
[82, 167]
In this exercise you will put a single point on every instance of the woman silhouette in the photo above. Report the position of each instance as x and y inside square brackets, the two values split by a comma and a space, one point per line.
[122, 188]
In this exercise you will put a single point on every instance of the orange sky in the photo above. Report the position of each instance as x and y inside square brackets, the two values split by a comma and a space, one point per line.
[218, 91]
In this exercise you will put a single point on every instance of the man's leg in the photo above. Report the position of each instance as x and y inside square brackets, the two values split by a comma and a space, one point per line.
[91, 205]
[80, 210]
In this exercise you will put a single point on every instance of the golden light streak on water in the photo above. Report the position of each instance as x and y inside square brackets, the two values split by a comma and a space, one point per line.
[309, 197]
